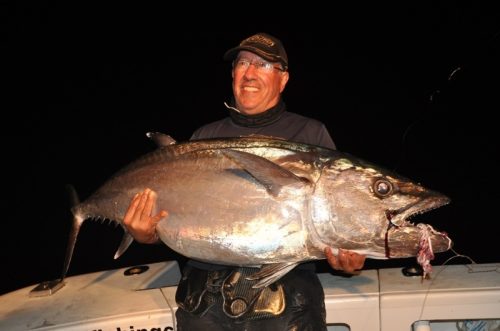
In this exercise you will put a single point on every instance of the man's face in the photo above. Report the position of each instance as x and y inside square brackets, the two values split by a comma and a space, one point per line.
[257, 83]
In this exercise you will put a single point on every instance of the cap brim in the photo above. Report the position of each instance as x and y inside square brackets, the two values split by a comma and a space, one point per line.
[231, 54]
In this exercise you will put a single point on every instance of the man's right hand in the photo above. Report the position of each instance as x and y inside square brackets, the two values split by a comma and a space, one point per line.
[139, 221]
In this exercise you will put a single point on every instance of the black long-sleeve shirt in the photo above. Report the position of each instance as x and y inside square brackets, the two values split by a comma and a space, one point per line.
[281, 124]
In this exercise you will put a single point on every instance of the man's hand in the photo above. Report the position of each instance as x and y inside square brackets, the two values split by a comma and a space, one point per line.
[347, 261]
[139, 221]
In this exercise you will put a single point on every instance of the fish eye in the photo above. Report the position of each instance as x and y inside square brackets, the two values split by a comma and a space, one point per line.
[382, 188]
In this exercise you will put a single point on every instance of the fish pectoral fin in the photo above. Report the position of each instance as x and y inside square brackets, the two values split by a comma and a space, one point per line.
[126, 241]
[161, 139]
[270, 273]
[268, 173]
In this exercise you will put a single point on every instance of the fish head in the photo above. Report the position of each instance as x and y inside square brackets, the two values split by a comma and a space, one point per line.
[371, 208]
[407, 200]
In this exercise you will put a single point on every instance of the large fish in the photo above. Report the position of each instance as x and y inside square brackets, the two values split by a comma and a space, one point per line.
[261, 201]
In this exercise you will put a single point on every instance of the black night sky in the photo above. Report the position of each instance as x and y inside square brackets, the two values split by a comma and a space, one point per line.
[412, 88]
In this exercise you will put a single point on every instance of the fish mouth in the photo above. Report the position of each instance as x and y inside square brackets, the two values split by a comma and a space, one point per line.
[402, 216]
[404, 238]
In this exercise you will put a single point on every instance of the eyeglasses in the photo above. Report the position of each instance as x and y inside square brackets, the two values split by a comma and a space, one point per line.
[261, 66]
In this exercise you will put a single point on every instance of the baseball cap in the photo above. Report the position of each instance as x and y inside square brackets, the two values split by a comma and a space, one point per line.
[264, 45]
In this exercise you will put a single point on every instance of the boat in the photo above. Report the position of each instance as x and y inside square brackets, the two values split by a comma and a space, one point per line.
[142, 298]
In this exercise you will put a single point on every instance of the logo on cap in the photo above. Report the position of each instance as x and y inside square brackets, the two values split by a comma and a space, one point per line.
[259, 39]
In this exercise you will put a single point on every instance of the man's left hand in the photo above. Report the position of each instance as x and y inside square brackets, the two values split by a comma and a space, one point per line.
[347, 261]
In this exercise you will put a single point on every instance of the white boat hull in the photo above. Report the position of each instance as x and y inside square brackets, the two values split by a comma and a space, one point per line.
[382, 299]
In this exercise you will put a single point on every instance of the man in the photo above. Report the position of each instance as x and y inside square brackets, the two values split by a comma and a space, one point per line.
[216, 297]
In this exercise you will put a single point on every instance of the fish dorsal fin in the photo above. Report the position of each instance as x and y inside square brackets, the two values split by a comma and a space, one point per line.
[269, 273]
[161, 139]
[126, 241]
[268, 173]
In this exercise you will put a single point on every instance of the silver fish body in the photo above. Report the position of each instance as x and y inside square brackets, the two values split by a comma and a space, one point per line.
[255, 201]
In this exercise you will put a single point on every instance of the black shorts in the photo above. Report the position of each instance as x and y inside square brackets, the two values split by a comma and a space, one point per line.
[205, 305]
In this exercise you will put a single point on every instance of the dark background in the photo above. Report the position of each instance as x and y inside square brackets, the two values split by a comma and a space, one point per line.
[411, 87]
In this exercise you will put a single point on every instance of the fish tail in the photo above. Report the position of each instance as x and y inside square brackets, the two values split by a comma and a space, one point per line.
[75, 229]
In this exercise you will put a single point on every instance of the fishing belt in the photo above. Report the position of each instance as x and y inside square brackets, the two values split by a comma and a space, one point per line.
[200, 289]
